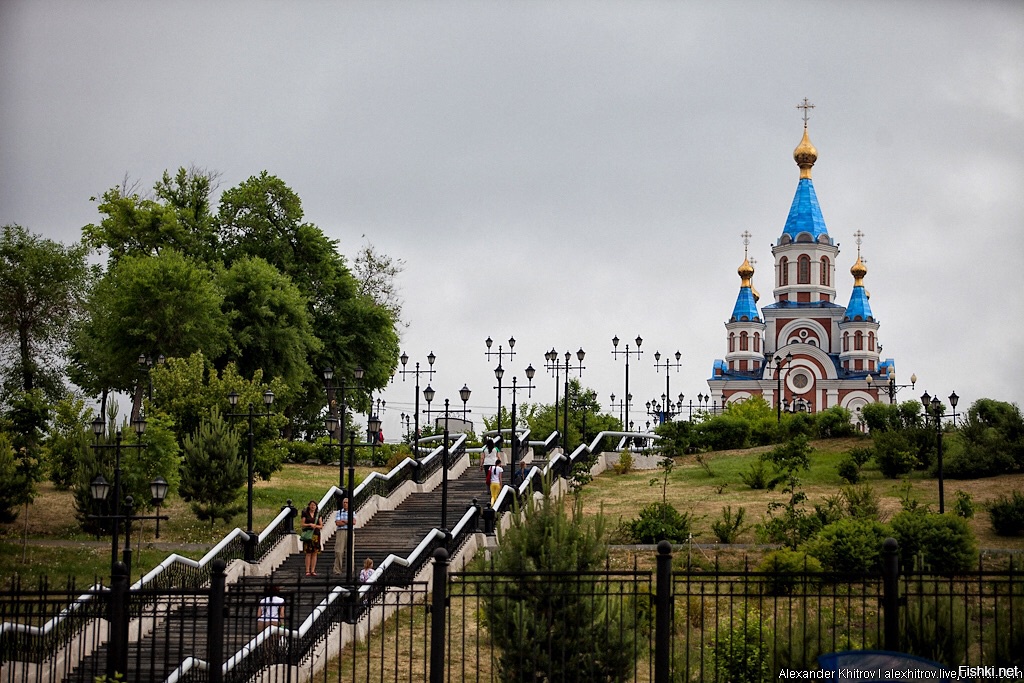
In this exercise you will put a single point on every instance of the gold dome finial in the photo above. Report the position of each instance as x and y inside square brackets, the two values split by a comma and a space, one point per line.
[858, 269]
[805, 154]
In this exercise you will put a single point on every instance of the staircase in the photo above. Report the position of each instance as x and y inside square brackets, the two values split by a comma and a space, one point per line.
[182, 632]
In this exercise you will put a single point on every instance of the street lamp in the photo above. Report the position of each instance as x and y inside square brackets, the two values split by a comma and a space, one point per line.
[574, 368]
[621, 405]
[890, 387]
[626, 353]
[464, 393]
[268, 400]
[552, 366]
[530, 373]
[429, 372]
[933, 410]
[780, 363]
[665, 398]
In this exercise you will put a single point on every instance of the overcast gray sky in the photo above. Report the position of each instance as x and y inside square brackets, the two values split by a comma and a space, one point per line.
[565, 172]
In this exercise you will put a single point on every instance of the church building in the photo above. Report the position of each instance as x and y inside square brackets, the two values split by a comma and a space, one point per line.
[804, 349]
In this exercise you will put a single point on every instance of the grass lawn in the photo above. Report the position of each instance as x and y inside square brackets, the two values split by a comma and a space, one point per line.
[691, 487]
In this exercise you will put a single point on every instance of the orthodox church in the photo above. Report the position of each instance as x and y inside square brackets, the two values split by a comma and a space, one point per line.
[805, 349]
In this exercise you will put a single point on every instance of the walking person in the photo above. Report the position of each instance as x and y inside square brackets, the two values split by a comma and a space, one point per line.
[495, 480]
[488, 456]
[341, 532]
[312, 524]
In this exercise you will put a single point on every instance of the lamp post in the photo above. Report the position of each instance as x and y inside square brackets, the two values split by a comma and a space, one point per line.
[780, 363]
[464, 393]
[530, 373]
[429, 372]
[933, 410]
[554, 367]
[498, 371]
[621, 406]
[574, 368]
[890, 387]
[666, 397]
[406, 421]
[377, 408]
[268, 400]
[626, 353]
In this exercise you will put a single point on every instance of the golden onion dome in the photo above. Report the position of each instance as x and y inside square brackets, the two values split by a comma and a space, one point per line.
[805, 155]
[858, 270]
[745, 271]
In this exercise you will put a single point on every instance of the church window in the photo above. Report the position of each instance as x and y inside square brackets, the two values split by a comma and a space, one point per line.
[757, 342]
[744, 342]
[858, 341]
[803, 270]
[871, 341]
[846, 341]
[824, 270]
[783, 271]
[732, 342]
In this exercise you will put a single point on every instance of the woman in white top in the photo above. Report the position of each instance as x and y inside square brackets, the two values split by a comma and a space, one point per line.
[271, 609]
[488, 457]
[495, 480]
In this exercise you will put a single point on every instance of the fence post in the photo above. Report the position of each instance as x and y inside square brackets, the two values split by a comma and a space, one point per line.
[891, 593]
[663, 614]
[289, 521]
[438, 609]
[215, 623]
[117, 654]
[489, 517]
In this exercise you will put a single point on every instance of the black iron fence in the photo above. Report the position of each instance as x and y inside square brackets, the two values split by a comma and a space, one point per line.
[659, 625]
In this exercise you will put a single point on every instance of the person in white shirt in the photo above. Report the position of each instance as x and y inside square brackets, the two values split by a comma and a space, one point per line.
[488, 456]
[341, 533]
[271, 609]
[495, 479]
[367, 570]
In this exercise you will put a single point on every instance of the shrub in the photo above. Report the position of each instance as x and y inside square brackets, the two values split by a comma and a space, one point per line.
[625, 463]
[213, 472]
[660, 522]
[834, 422]
[785, 568]
[861, 502]
[861, 454]
[849, 470]
[963, 506]
[943, 542]
[741, 652]
[849, 545]
[304, 451]
[830, 509]
[934, 626]
[1007, 514]
[729, 526]
[894, 454]
[722, 432]
[757, 476]
[797, 424]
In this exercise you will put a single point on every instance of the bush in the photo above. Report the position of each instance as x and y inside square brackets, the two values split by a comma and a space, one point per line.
[741, 652]
[834, 422]
[861, 502]
[943, 542]
[849, 545]
[729, 526]
[861, 454]
[784, 568]
[1007, 514]
[625, 463]
[934, 626]
[757, 477]
[797, 424]
[849, 470]
[722, 432]
[660, 522]
[894, 454]
[304, 451]
[963, 506]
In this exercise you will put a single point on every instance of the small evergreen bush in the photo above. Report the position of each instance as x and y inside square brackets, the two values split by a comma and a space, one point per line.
[741, 650]
[849, 470]
[756, 477]
[862, 502]
[849, 545]
[1007, 514]
[943, 542]
[625, 464]
[729, 525]
[785, 568]
[661, 522]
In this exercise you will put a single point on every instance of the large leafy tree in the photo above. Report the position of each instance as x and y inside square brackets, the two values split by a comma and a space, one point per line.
[148, 305]
[43, 285]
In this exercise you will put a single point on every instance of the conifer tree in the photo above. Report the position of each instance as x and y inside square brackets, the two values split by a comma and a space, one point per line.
[212, 473]
[575, 626]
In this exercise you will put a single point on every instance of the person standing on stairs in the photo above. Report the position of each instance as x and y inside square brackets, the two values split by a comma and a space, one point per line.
[488, 456]
[312, 523]
[341, 532]
[495, 480]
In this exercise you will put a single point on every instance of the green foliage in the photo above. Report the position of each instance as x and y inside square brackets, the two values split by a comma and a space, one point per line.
[42, 287]
[675, 437]
[894, 453]
[788, 459]
[943, 542]
[584, 410]
[661, 522]
[666, 465]
[797, 424]
[552, 625]
[788, 522]
[848, 470]
[883, 417]
[12, 486]
[1004, 632]
[722, 432]
[934, 626]
[729, 525]
[830, 509]
[213, 472]
[756, 477]
[834, 422]
[849, 545]
[625, 464]
[68, 441]
[1007, 514]
[741, 650]
[784, 569]
[990, 441]
[862, 502]
[963, 505]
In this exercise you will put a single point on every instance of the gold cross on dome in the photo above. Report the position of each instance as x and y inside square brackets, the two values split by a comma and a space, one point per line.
[746, 240]
[860, 238]
[805, 106]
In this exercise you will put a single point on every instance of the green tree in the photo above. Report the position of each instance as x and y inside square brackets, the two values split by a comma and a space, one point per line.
[557, 619]
[68, 440]
[147, 305]
[213, 473]
[43, 286]
[586, 420]
[377, 275]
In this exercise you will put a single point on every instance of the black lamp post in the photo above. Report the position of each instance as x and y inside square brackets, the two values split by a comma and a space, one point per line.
[530, 373]
[890, 387]
[554, 367]
[429, 372]
[464, 393]
[377, 408]
[268, 400]
[780, 363]
[933, 410]
[336, 417]
[574, 368]
[498, 371]
[665, 398]
[406, 421]
[626, 353]
[621, 405]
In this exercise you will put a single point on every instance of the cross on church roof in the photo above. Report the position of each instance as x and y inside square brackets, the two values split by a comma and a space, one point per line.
[860, 238]
[805, 105]
[746, 241]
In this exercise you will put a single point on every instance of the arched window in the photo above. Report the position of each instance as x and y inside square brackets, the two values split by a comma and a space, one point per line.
[871, 341]
[757, 342]
[824, 270]
[783, 271]
[846, 341]
[732, 342]
[858, 341]
[744, 342]
[803, 270]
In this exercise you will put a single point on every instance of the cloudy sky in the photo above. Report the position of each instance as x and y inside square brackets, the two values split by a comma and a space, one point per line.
[563, 172]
